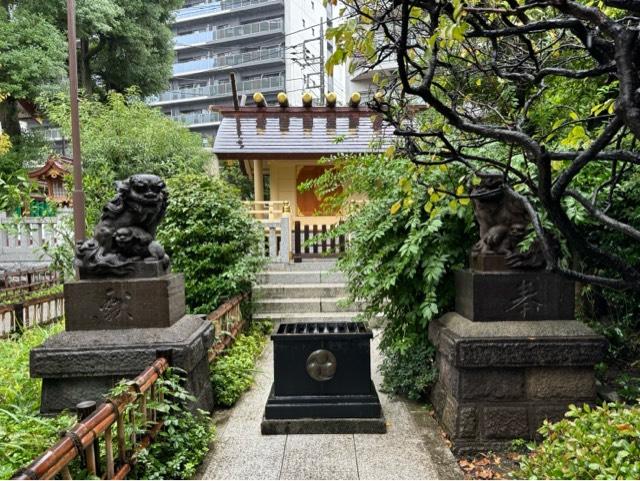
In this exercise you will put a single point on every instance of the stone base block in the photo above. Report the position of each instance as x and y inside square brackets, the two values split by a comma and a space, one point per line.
[488, 263]
[499, 381]
[138, 269]
[83, 365]
[124, 303]
[341, 406]
[325, 426]
[514, 296]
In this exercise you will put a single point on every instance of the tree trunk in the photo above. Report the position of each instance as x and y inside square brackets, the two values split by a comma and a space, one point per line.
[84, 71]
[9, 117]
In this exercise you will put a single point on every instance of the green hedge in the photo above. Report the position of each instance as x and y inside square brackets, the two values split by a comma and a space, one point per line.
[211, 239]
[24, 434]
[232, 374]
[181, 445]
[590, 443]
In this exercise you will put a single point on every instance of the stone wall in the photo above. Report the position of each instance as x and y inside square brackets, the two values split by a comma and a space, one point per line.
[499, 381]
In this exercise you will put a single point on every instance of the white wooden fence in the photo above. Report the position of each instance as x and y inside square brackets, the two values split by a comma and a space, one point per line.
[40, 311]
[22, 238]
[277, 239]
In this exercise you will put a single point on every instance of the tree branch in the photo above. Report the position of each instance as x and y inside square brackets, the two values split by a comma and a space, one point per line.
[604, 218]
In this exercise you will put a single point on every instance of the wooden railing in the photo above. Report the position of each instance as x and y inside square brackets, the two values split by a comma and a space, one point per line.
[310, 242]
[267, 209]
[277, 240]
[84, 439]
[39, 311]
[227, 321]
[132, 408]
[22, 306]
[25, 281]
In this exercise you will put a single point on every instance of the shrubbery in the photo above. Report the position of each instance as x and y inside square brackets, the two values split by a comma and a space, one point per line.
[211, 239]
[590, 443]
[124, 136]
[402, 255]
[233, 373]
[184, 440]
[24, 433]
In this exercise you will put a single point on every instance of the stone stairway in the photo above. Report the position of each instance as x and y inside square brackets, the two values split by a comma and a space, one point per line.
[307, 291]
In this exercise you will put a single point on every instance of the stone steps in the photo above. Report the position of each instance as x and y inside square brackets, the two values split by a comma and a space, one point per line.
[290, 317]
[300, 277]
[324, 265]
[305, 290]
[305, 304]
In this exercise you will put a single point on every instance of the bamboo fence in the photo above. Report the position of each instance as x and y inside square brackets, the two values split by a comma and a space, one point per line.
[106, 426]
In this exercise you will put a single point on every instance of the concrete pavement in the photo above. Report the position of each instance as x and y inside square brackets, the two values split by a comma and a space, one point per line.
[413, 447]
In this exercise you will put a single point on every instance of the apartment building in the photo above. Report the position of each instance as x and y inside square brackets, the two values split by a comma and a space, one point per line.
[306, 24]
[271, 45]
[256, 39]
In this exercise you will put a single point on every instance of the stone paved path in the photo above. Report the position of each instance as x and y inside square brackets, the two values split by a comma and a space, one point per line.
[412, 448]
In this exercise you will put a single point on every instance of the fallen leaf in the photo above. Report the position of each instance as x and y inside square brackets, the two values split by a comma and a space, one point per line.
[484, 473]
[513, 456]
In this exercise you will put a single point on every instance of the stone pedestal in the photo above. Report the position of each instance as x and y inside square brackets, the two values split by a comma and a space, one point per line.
[94, 304]
[84, 365]
[139, 269]
[498, 381]
[513, 296]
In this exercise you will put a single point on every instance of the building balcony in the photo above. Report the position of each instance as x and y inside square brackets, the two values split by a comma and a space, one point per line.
[261, 85]
[192, 94]
[191, 66]
[197, 11]
[250, 30]
[197, 38]
[217, 90]
[269, 55]
[219, 7]
[198, 119]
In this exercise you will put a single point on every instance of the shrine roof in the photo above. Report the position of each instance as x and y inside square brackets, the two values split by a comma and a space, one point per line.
[299, 132]
[55, 166]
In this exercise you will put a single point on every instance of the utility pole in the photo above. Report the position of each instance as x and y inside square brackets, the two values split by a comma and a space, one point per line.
[313, 60]
[322, 61]
[79, 230]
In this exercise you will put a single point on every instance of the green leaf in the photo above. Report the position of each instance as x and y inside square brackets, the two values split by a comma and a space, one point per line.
[390, 151]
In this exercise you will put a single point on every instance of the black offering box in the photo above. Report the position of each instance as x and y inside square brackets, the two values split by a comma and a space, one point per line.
[322, 380]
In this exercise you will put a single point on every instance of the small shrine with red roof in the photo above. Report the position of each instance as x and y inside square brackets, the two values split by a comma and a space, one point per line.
[50, 177]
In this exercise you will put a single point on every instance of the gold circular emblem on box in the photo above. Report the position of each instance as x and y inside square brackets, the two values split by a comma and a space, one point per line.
[321, 365]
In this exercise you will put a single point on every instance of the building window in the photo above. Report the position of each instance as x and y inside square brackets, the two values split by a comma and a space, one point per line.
[312, 6]
[304, 24]
[58, 189]
[313, 31]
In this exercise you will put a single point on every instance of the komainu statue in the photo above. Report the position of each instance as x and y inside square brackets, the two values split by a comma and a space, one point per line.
[504, 223]
[123, 244]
